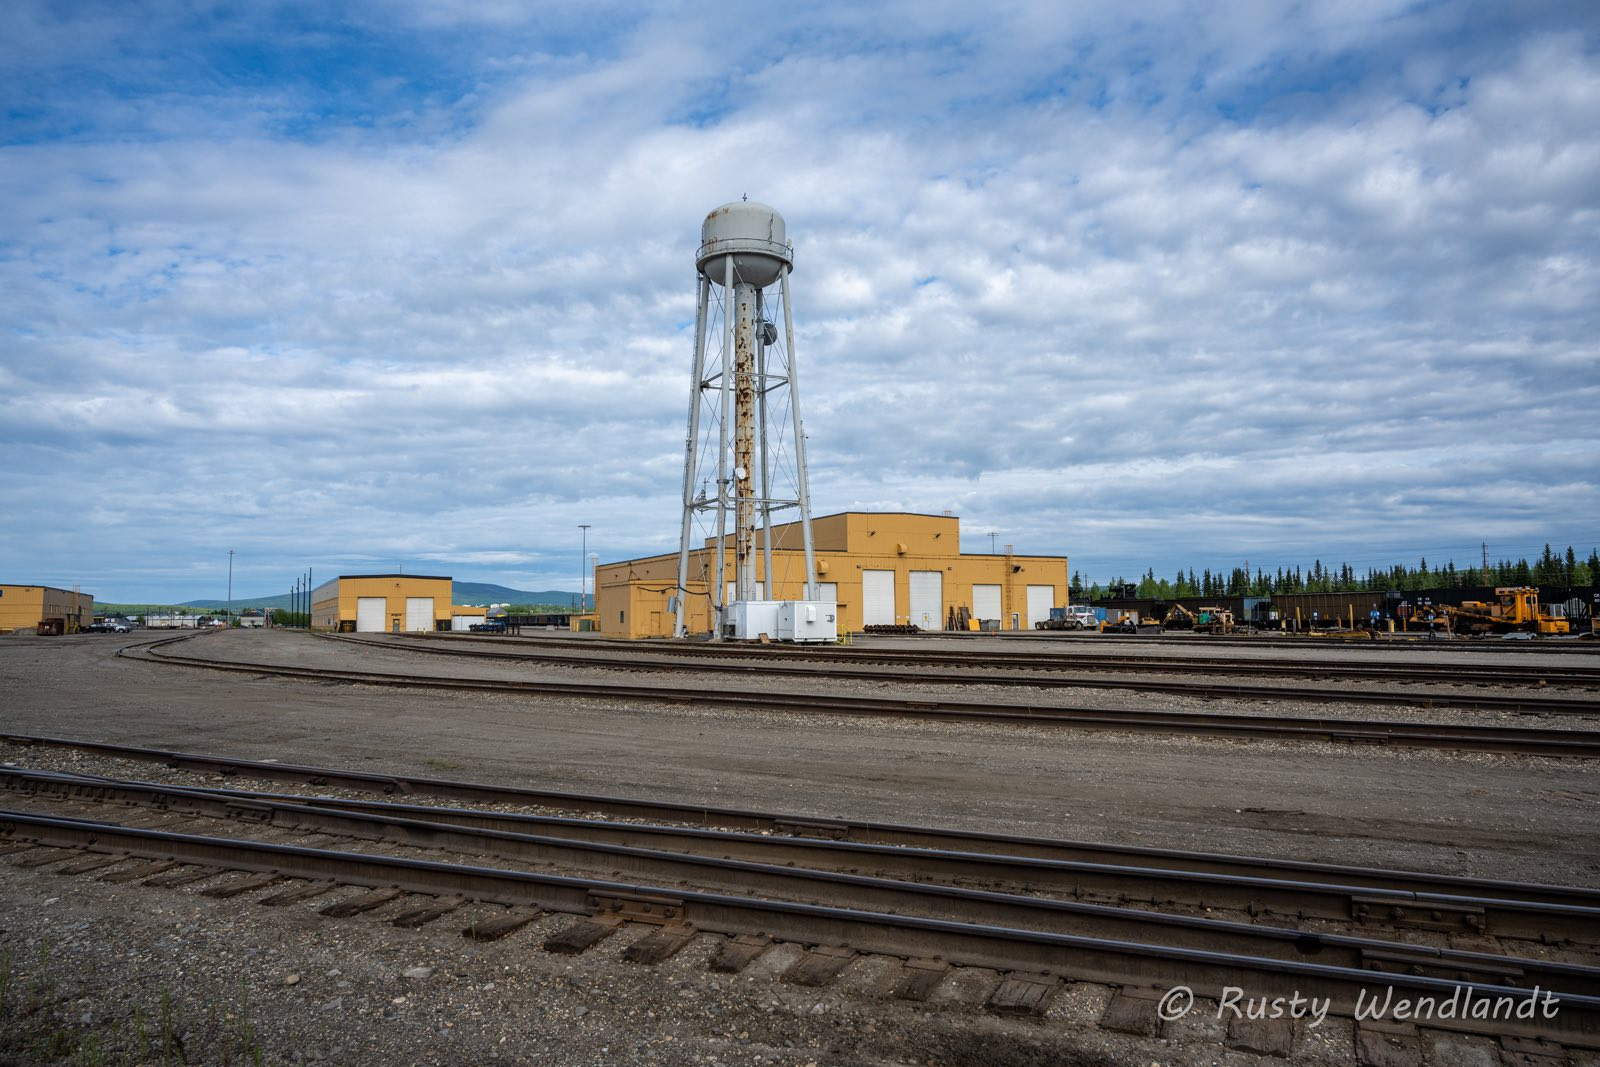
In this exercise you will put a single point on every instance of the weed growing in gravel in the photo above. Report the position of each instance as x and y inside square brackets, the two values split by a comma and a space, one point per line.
[37, 1026]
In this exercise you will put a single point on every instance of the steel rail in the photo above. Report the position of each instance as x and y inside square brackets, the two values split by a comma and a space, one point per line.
[1464, 673]
[537, 839]
[935, 900]
[833, 830]
[1575, 1020]
[1414, 643]
[1520, 740]
[988, 676]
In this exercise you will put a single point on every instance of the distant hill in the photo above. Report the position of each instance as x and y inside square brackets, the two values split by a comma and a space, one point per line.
[465, 593]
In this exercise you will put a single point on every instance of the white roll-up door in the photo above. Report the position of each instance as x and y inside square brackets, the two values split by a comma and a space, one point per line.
[986, 602]
[927, 600]
[465, 622]
[1041, 598]
[761, 592]
[877, 598]
[419, 613]
[370, 614]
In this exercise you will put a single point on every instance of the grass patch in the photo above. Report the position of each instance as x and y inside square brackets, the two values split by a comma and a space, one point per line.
[40, 1024]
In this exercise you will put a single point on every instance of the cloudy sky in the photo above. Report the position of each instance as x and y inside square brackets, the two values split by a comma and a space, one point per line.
[366, 285]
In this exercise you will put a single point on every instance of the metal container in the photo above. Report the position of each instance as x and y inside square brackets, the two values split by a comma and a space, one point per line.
[755, 236]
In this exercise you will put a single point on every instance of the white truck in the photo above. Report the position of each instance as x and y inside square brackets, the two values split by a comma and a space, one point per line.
[1070, 617]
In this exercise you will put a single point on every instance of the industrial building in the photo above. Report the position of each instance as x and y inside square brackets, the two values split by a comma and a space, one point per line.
[879, 568]
[44, 609]
[382, 603]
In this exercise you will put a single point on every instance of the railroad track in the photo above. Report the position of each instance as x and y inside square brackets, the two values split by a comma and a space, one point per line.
[1502, 739]
[772, 656]
[985, 670]
[803, 890]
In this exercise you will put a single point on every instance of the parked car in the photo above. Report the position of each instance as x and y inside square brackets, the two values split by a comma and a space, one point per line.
[493, 626]
[106, 628]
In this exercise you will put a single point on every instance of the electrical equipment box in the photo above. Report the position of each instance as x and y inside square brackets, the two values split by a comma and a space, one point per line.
[808, 620]
[752, 618]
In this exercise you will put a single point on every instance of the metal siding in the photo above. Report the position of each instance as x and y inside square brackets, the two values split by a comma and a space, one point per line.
[877, 598]
[419, 613]
[927, 599]
[371, 614]
[986, 601]
[1041, 598]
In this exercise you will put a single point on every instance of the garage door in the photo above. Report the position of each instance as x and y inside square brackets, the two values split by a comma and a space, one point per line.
[419, 613]
[371, 613]
[1041, 598]
[986, 602]
[927, 600]
[761, 592]
[465, 622]
[877, 598]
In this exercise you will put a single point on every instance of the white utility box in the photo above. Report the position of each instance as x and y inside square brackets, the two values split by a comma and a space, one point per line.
[808, 620]
[752, 618]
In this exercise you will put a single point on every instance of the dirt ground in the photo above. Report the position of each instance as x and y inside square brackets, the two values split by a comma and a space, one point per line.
[112, 956]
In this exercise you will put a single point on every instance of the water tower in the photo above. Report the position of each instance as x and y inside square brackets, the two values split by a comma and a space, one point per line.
[744, 370]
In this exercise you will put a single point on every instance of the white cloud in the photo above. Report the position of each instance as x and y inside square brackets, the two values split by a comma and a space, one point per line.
[1239, 278]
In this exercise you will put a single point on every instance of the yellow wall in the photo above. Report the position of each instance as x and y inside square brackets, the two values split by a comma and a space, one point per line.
[631, 596]
[23, 607]
[333, 604]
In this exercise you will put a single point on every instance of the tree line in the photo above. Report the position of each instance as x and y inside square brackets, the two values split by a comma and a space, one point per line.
[1551, 568]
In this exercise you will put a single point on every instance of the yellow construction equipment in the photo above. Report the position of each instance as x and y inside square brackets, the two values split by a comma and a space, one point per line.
[1516, 610]
[1201, 621]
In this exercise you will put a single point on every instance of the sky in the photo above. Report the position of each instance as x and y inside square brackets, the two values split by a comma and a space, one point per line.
[410, 285]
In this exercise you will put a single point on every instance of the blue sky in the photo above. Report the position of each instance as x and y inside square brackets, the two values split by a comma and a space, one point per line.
[360, 286]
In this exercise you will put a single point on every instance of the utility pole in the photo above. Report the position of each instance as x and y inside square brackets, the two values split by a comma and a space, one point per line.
[992, 535]
[230, 586]
[583, 575]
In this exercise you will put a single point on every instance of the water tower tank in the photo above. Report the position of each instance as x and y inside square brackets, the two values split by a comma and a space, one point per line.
[753, 234]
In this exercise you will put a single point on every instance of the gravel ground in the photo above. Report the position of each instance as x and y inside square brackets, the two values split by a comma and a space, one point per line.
[92, 966]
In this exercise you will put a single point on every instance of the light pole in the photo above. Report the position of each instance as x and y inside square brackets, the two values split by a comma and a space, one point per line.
[992, 535]
[230, 585]
[583, 574]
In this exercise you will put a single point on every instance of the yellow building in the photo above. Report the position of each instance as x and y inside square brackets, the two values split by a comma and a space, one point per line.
[880, 568]
[44, 608]
[382, 603]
